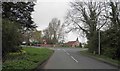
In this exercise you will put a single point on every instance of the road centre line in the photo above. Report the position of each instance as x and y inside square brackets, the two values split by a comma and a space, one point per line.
[71, 56]
[67, 53]
[64, 50]
[74, 59]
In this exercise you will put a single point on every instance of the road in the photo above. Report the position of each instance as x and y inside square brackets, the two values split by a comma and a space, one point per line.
[70, 58]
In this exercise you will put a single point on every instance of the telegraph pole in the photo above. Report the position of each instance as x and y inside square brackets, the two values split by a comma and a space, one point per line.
[99, 49]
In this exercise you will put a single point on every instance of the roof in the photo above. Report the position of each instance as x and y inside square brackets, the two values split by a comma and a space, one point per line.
[70, 42]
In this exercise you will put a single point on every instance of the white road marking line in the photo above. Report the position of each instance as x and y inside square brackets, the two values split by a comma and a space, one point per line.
[74, 59]
[71, 56]
[58, 49]
[67, 53]
[64, 50]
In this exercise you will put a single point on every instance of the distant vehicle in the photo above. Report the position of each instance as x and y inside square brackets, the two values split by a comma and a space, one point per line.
[23, 43]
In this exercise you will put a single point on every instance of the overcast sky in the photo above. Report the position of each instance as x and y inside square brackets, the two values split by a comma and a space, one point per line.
[45, 10]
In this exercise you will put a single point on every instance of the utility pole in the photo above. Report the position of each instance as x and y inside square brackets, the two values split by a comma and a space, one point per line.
[99, 52]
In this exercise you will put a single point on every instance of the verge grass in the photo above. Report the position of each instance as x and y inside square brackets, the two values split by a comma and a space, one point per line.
[101, 58]
[28, 60]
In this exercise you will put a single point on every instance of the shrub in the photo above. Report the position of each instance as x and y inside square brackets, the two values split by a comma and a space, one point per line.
[110, 52]
[10, 37]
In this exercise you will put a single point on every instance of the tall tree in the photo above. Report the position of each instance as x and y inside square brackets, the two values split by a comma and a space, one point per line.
[112, 33]
[85, 17]
[16, 18]
[54, 32]
[19, 12]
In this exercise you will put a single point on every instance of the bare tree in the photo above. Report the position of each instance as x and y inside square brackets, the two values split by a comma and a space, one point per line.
[86, 17]
[54, 31]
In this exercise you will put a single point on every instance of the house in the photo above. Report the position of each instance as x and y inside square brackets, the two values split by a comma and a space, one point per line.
[73, 43]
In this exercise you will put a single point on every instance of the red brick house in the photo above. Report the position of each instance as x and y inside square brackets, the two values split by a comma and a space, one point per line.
[73, 43]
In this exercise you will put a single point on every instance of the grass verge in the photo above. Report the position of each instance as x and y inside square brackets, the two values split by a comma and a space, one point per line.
[102, 58]
[27, 61]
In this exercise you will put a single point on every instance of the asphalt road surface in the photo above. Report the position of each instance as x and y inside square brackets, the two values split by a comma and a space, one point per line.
[70, 58]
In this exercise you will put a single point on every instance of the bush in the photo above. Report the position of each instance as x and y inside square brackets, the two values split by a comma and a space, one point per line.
[110, 52]
[10, 37]
[86, 46]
